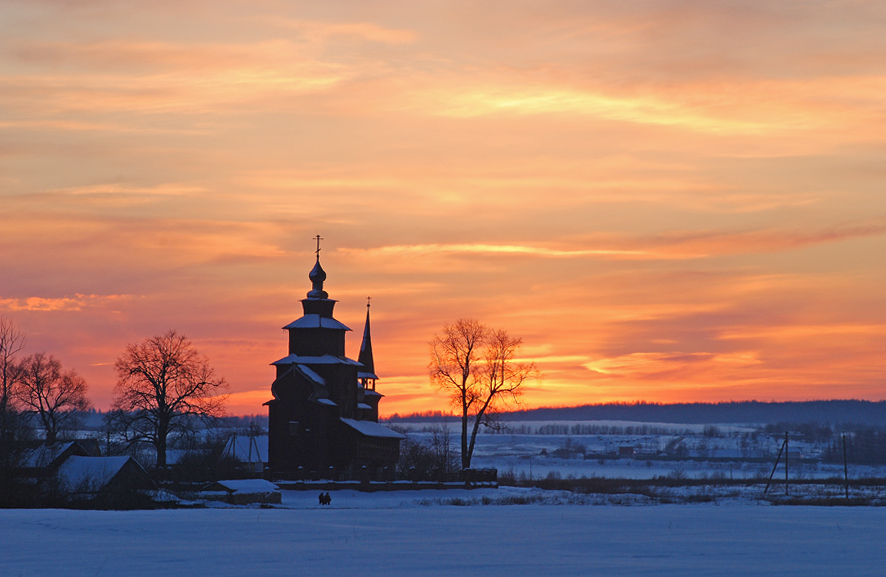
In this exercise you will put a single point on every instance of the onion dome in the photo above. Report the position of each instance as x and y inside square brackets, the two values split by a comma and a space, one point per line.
[317, 276]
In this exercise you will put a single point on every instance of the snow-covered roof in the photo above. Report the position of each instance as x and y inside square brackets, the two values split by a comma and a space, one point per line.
[328, 402]
[248, 449]
[372, 429]
[44, 455]
[88, 474]
[311, 375]
[244, 486]
[315, 321]
[363, 406]
[364, 375]
[324, 360]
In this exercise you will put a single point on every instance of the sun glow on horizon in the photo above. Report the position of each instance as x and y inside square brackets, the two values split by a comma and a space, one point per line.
[666, 205]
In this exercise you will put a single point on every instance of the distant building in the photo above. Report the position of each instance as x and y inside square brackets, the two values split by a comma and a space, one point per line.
[96, 477]
[323, 419]
[242, 492]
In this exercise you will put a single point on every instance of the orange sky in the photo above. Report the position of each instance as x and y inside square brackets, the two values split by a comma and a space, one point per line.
[667, 201]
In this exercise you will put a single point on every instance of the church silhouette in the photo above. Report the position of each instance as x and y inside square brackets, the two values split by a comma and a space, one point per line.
[323, 419]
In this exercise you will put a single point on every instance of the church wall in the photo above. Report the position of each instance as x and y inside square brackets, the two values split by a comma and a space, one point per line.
[317, 342]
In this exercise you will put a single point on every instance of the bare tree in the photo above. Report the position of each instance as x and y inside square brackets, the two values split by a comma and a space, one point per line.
[163, 384]
[13, 427]
[454, 356]
[11, 342]
[480, 369]
[55, 396]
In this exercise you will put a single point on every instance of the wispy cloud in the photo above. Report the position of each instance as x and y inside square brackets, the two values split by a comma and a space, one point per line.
[674, 246]
[646, 365]
[77, 303]
[328, 31]
[491, 249]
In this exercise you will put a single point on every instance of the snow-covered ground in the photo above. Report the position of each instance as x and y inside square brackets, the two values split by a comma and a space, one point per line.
[416, 533]
[508, 531]
[526, 453]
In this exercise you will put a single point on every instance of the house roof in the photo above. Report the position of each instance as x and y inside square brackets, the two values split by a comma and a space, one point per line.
[49, 455]
[89, 474]
[242, 486]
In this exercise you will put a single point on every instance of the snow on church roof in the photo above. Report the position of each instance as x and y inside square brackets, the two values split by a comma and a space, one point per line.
[311, 375]
[314, 321]
[324, 360]
[372, 429]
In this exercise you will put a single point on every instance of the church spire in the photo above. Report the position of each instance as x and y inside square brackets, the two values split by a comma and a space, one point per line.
[367, 376]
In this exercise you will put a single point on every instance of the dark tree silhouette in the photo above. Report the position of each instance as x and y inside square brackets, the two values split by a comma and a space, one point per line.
[11, 342]
[55, 396]
[163, 383]
[480, 369]
[14, 427]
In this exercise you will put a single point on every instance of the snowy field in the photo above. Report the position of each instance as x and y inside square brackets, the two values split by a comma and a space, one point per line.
[413, 533]
[533, 455]
[510, 531]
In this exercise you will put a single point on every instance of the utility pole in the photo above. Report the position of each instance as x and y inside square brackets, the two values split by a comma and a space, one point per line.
[845, 467]
[787, 454]
[775, 466]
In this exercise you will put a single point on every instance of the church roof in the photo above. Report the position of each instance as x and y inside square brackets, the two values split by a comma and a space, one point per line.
[372, 429]
[324, 360]
[306, 371]
[314, 321]
[365, 357]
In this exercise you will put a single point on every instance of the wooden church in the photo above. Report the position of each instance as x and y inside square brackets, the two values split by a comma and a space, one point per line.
[323, 419]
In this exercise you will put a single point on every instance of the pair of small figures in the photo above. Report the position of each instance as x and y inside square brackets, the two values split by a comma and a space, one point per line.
[325, 499]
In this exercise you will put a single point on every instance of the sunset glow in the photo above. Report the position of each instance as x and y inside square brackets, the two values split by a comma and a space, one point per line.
[667, 201]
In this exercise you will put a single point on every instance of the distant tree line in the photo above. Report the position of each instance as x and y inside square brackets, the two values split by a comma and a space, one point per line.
[854, 412]
[758, 412]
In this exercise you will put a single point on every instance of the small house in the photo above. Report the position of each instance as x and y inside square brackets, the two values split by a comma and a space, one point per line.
[242, 492]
